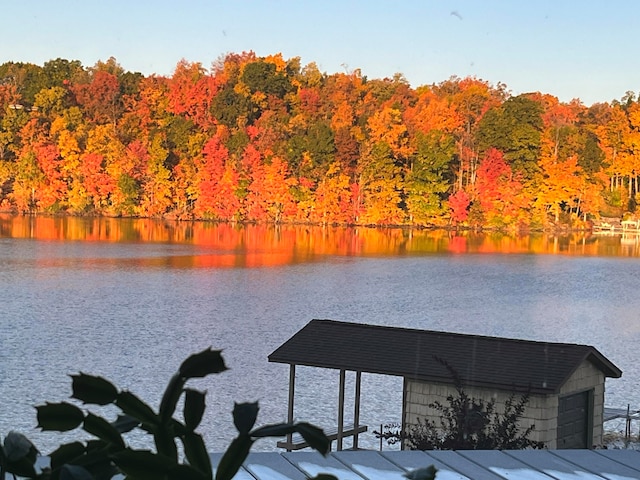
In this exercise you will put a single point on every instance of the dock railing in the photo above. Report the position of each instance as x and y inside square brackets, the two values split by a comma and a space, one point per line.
[627, 414]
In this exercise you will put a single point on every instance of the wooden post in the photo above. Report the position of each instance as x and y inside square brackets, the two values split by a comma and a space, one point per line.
[403, 424]
[356, 410]
[341, 410]
[292, 388]
[627, 428]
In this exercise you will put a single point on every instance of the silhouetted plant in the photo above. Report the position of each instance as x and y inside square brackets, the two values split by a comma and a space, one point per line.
[107, 454]
[467, 423]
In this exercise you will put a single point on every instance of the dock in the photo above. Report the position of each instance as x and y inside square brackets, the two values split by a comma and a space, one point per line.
[616, 226]
[627, 414]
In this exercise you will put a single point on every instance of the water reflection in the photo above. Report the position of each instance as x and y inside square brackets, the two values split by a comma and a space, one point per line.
[126, 299]
[225, 245]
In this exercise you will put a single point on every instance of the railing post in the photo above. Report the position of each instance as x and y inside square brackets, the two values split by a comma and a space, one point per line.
[341, 410]
[356, 411]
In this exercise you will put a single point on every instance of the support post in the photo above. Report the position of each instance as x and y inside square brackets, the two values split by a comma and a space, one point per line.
[403, 424]
[292, 388]
[356, 410]
[341, 410]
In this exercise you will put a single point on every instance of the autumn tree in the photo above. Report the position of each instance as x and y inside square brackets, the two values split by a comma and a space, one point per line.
[334, 198]
[468, 100]
[217, 182]
[28, 179]
[498, 190]
[268, 194]
[263, 139]
[101, 98]
[459, 206]
[191, 90]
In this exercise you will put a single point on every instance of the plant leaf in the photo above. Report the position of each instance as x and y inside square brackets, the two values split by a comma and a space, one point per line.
[194, 407]
[234, 457]
[59, 417]
[165, 443]
[102, 429]
[125, 423]
[202, 364]
[187, 472]
[75, 472]
[22, 468]
[143, 464]
[170, 398]
[196, 452]
[66, 454]
[136, 408]
[314, 436]
[92, 389]
[275, 430]
[244, 416]
[96, 459]
[17, 447]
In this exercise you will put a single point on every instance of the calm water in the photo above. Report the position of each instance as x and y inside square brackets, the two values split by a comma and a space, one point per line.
[130, 300]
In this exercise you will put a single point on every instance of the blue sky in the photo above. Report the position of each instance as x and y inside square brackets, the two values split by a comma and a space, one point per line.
[587, 49]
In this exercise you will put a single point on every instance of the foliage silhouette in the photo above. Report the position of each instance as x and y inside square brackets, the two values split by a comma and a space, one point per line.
[107, 453]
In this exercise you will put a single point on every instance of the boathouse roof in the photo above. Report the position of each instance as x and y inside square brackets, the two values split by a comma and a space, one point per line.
[481, 361]
[462, 464]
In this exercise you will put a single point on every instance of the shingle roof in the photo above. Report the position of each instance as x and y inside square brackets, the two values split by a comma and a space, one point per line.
[490, 362]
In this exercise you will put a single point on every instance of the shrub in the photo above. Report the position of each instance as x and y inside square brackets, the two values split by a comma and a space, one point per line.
[467, 423]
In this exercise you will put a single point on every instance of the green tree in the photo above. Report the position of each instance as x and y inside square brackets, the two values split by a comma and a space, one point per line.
[429, 177]
[262, 76]
[380, 183]
[231, 108]
[26, 77]
[60, 72]
[515, 129]
[311, 150]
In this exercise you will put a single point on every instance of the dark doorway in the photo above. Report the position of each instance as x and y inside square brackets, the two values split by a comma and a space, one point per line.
[574, 420]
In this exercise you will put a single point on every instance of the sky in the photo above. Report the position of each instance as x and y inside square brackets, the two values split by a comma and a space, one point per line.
[585, 49]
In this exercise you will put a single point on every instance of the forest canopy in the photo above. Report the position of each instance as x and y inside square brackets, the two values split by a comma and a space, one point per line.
[265, 139]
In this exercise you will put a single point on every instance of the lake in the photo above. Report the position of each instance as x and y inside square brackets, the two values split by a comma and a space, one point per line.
[130, 299]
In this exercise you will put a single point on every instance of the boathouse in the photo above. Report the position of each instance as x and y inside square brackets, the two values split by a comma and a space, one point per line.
[566, 382]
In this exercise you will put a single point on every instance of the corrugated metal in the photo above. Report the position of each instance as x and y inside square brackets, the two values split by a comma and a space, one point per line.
[489, 362]
[451, 465]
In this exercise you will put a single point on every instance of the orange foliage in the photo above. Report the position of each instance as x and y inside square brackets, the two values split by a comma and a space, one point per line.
[261, 139]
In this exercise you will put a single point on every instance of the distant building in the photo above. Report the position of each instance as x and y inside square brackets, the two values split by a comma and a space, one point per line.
[566, 382]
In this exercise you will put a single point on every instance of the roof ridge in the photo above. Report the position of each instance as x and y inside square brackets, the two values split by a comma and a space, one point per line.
[458, 334]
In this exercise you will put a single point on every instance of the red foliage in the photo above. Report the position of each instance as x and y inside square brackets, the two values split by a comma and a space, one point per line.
[191, 91]
[100, 98]
[496, 186]
[459, 205]
[49, 161]
[217, 183]
[98, 184]
[309, 100]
